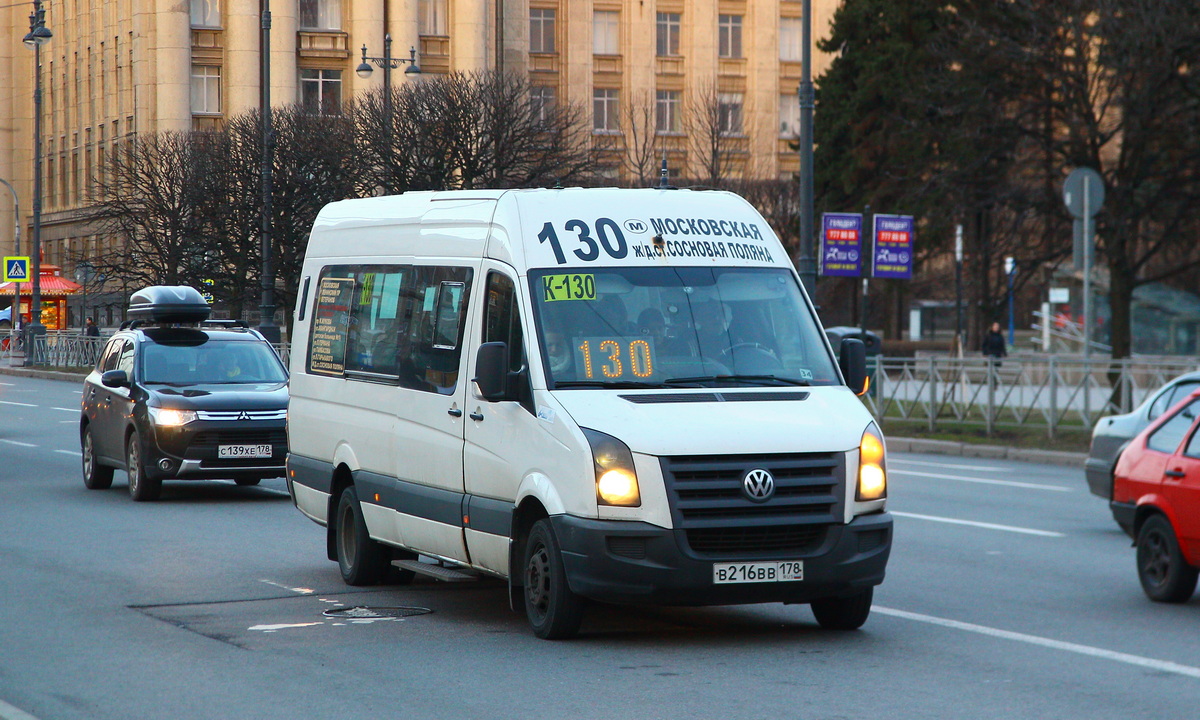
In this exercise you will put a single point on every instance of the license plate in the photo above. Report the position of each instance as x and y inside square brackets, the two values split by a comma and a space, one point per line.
[243, 451]
[783, 571]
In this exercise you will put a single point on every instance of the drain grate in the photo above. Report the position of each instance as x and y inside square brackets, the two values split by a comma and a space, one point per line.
[368, 613]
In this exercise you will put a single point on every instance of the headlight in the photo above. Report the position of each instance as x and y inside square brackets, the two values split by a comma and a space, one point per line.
[616, 480]
[169, 417]
[872, 475]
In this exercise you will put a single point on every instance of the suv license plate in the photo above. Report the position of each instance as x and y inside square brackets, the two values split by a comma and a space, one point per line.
[243, 451]
[783, 571]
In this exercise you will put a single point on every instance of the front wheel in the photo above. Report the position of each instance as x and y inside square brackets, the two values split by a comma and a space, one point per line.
[95, 475]
[1164, 574]
[362, 560]
[844, 613]
[554, 611]
[141, 488]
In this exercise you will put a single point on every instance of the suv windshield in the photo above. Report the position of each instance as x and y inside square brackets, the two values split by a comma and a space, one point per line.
[210, 361]
[677, 327]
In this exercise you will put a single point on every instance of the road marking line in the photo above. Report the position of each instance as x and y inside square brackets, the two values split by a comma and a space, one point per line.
[1138, 660]
[985, 481]
[986, 468]
[75, 453]
[14, 442]
[300, 590]
[70, 410]
[8, 712]
[986, 526]
[9, 402]
[7, 384]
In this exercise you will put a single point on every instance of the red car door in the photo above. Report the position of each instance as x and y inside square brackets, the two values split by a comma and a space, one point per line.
[1181, 490]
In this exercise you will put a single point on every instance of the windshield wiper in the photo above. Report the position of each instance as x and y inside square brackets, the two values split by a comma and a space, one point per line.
[756, 379]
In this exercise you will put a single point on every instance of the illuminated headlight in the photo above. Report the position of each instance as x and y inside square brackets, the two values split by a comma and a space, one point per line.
[616, 480]
[872, 473]
[169, 417]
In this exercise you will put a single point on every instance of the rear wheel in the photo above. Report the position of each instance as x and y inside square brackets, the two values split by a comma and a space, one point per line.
[844, 613]
[554, 611]
[141, 488]
[362, 560]
[95, 475]
[1165, 575]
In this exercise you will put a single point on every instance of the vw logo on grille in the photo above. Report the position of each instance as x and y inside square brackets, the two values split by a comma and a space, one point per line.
[758, 485]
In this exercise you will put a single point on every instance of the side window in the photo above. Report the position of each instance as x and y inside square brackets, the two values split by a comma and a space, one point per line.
[433, 306]
[125, 359]
[502, 321]
[356, 319]
[1166, 438]
[1170, 397]
[108, 359]
[1193, 447]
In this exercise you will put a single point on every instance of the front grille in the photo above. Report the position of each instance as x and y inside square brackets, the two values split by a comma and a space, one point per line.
[225, 415]
[709, 504]
[797, 539]
[210, 439]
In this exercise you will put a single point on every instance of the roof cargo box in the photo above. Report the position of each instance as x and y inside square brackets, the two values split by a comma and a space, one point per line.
[168, 304]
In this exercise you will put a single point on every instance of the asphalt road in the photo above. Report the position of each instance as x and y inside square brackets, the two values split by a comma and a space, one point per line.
[1010, 594]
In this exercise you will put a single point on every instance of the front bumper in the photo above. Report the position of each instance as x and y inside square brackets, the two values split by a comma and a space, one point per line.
[192, 450]
[639, 563]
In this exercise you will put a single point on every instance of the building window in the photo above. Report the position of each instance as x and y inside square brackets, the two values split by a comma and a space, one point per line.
[729, 109]
[789, 116]
[542, 99]
[541, 30]
[206, 89]
[321, 91]
[606, 110]
[790, 30]
[321, 14]
[431, 17]
[666, 111]
[206, 13]
[667, 34]
[729, 36]
[606, 37]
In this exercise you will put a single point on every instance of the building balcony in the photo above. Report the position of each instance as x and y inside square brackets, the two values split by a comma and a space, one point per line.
[434, 54]
[331, 44]
[544, 62]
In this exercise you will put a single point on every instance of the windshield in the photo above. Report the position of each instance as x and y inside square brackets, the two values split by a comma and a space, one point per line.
[677, 327]
[211, 362]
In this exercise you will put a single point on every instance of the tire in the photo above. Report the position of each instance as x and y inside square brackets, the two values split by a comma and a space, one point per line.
[1164, 574]
[361, 560]
[141, 487]
[554, 612]
[844, 613]
[247, 482]
[95, 475]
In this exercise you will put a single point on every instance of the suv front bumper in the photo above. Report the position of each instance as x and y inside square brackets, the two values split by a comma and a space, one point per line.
[192, 451]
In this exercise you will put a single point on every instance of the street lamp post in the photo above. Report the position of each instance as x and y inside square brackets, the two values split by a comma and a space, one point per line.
[15, 308]
[1010, 269]
[807, 262]
[388, 63]
[266, 309]
[38, 36]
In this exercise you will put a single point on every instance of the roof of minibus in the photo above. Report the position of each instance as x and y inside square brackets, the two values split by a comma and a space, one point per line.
[569, 226]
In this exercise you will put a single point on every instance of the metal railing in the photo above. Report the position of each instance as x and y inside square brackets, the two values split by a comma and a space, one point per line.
[67, 349]
[1052, 392]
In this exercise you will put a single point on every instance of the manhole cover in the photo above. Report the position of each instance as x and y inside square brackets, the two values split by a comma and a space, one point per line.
[366, 613]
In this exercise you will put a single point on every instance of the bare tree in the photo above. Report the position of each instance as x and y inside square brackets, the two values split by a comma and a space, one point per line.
[714, 125]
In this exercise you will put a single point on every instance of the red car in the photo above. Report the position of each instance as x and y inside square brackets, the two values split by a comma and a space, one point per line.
[1156, 499]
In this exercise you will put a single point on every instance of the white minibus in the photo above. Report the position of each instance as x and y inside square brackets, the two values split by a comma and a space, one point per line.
[595, 394]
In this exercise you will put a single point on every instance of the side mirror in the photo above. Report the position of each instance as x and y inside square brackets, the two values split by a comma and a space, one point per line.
[115, 379]
[491, 371]
[853, 360]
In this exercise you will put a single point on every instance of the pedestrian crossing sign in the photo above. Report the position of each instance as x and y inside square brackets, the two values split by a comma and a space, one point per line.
[16, 269]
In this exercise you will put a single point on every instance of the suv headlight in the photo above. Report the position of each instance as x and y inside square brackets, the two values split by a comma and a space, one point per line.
[872, 472]
[169, 417]
[616, 480]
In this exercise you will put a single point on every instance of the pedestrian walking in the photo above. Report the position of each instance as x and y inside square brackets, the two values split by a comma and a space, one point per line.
[993, 345]
[90, 329]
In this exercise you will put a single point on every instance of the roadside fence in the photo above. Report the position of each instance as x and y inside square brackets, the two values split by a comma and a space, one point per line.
[1054, 392]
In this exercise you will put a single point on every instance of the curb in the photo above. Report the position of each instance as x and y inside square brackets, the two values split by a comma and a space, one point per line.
[44, 374]
[995, 452]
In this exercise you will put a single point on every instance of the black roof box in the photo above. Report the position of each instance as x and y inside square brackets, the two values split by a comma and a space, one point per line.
[169, 304]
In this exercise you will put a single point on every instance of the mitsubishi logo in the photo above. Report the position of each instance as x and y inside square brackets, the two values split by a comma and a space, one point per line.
[758, 485]
[243, 415]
